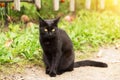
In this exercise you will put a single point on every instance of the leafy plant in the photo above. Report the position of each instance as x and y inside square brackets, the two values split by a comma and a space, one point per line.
[93, 29]
[88, 31]
[19, 43]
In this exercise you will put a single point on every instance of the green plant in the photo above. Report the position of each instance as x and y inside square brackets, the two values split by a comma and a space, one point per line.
[88, 31]
[93, 29]
[19, 44]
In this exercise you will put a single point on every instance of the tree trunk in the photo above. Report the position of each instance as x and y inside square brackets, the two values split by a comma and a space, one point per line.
[88, 4]
[38, 4]
[72, 5]
[17, 5]
[102, 4]
[56, 5]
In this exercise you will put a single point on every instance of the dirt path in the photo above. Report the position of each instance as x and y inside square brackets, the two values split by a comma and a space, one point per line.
[109, 55]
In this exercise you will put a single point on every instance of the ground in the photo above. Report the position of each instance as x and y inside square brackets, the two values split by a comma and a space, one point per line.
[111, 56]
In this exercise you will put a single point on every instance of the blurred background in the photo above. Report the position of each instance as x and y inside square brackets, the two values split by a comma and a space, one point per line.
[92, 25]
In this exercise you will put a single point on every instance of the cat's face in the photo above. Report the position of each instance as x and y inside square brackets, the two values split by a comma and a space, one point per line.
[48, 28]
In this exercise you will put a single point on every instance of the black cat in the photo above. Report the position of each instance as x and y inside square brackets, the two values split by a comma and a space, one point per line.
[58, 49]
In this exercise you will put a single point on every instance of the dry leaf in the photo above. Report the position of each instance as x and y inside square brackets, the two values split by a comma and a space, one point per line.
[8, 43]
[25, 18]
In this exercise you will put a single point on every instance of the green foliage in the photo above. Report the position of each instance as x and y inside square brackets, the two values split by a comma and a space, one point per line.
[88, 31]
[47, 10]
[30, 10]
[92, 29]
[24, 44]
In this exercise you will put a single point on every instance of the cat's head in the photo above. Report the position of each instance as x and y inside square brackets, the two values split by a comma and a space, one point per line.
[48, 28]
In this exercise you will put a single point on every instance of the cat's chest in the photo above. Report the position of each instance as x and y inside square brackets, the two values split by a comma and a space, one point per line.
[49, 43]
[50, 47]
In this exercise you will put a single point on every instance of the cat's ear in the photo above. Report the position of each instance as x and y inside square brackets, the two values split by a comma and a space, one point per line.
[57, 20]
[41, 22]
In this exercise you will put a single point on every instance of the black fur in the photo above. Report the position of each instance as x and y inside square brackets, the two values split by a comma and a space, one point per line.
[58, 49]
[89, 63]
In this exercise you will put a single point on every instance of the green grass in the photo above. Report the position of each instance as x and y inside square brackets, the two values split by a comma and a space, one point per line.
[29, 9]
[25, 44]
[88, 32]
[91, 30]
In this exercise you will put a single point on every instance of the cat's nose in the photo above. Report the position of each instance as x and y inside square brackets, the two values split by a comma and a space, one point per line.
[50, 34]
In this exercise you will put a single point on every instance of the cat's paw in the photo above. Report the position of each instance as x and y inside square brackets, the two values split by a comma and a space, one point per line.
[59, 73]
[47, 72]
[52, 74]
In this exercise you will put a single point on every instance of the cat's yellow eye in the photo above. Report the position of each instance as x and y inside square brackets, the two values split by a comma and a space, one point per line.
[53, 30]
[45, 30]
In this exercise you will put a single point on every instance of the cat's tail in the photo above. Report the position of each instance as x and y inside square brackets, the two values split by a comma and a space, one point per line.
[89, 63]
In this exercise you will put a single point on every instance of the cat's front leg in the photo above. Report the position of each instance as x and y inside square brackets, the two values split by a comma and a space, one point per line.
[54, 65]
[47, 70]
[47, 64]
[52, 72]
[53, 68]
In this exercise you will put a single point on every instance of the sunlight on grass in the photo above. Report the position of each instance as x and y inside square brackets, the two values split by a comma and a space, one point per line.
[88, 32]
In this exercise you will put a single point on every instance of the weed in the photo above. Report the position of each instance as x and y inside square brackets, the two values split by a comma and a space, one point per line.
[88, 32]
